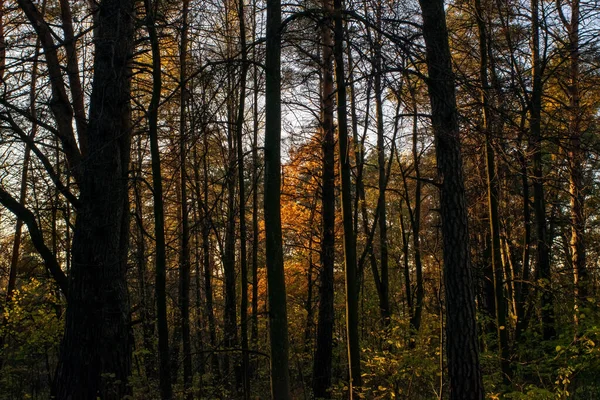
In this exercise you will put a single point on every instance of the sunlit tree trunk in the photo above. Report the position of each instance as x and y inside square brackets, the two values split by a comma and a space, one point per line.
[576, 164]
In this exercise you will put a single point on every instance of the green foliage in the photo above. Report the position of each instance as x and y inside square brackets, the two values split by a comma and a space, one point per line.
[565, 368]
[394, 370]
[32, 332]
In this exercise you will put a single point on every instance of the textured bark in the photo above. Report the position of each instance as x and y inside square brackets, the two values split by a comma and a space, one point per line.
[278, 329]
[324, 350]
[461, 329]
[95, 355]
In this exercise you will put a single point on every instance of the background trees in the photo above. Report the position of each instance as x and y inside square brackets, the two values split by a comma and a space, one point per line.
[325, 186]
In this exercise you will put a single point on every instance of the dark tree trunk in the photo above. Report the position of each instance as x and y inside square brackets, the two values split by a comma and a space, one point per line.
[184, 262]
[242, 203]
[384, 301]
[159, 218]
[95, 356]
[324, 349]
[461, 329]
[345, 171]
[280, 379]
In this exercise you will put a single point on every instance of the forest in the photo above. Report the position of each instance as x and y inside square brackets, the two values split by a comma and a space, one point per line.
[314, 199]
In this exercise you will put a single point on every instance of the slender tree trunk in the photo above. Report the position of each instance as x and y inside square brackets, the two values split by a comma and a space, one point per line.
[384, 301]
[145, 303]
[324, 351]
[95, 355]
[522, 287]
[493, 189]
[415, 221]
[242, 202]
[355, 380]
[539, 205]
[206, 256]
[230, 330]
[280, 378]
[576, 165]
[461, 329]
[255, 166]
[159, 219]
[184, 261]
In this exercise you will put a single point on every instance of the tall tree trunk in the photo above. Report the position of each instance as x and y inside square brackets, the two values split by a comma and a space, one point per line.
[255, 167]
[493, 189]
[324, 351]
[539, 205]
[95, 355]
[242, 202]
[184, 261]
[415, 221]
[166, 390]
[206, 256]
[146, 302]
[280, 378]
[384, 301]
[230, 330]
[349, 238]
[576, 164]
[461, 329]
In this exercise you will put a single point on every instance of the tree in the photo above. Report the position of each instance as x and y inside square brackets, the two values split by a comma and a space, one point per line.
[280, 379]
[96, 344]
[350, 263]
[323, 352]
[461, 329]
[166, 390]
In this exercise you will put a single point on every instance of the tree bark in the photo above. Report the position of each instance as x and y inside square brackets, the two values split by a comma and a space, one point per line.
[278, 329]
[95, 358]
[461, 329]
